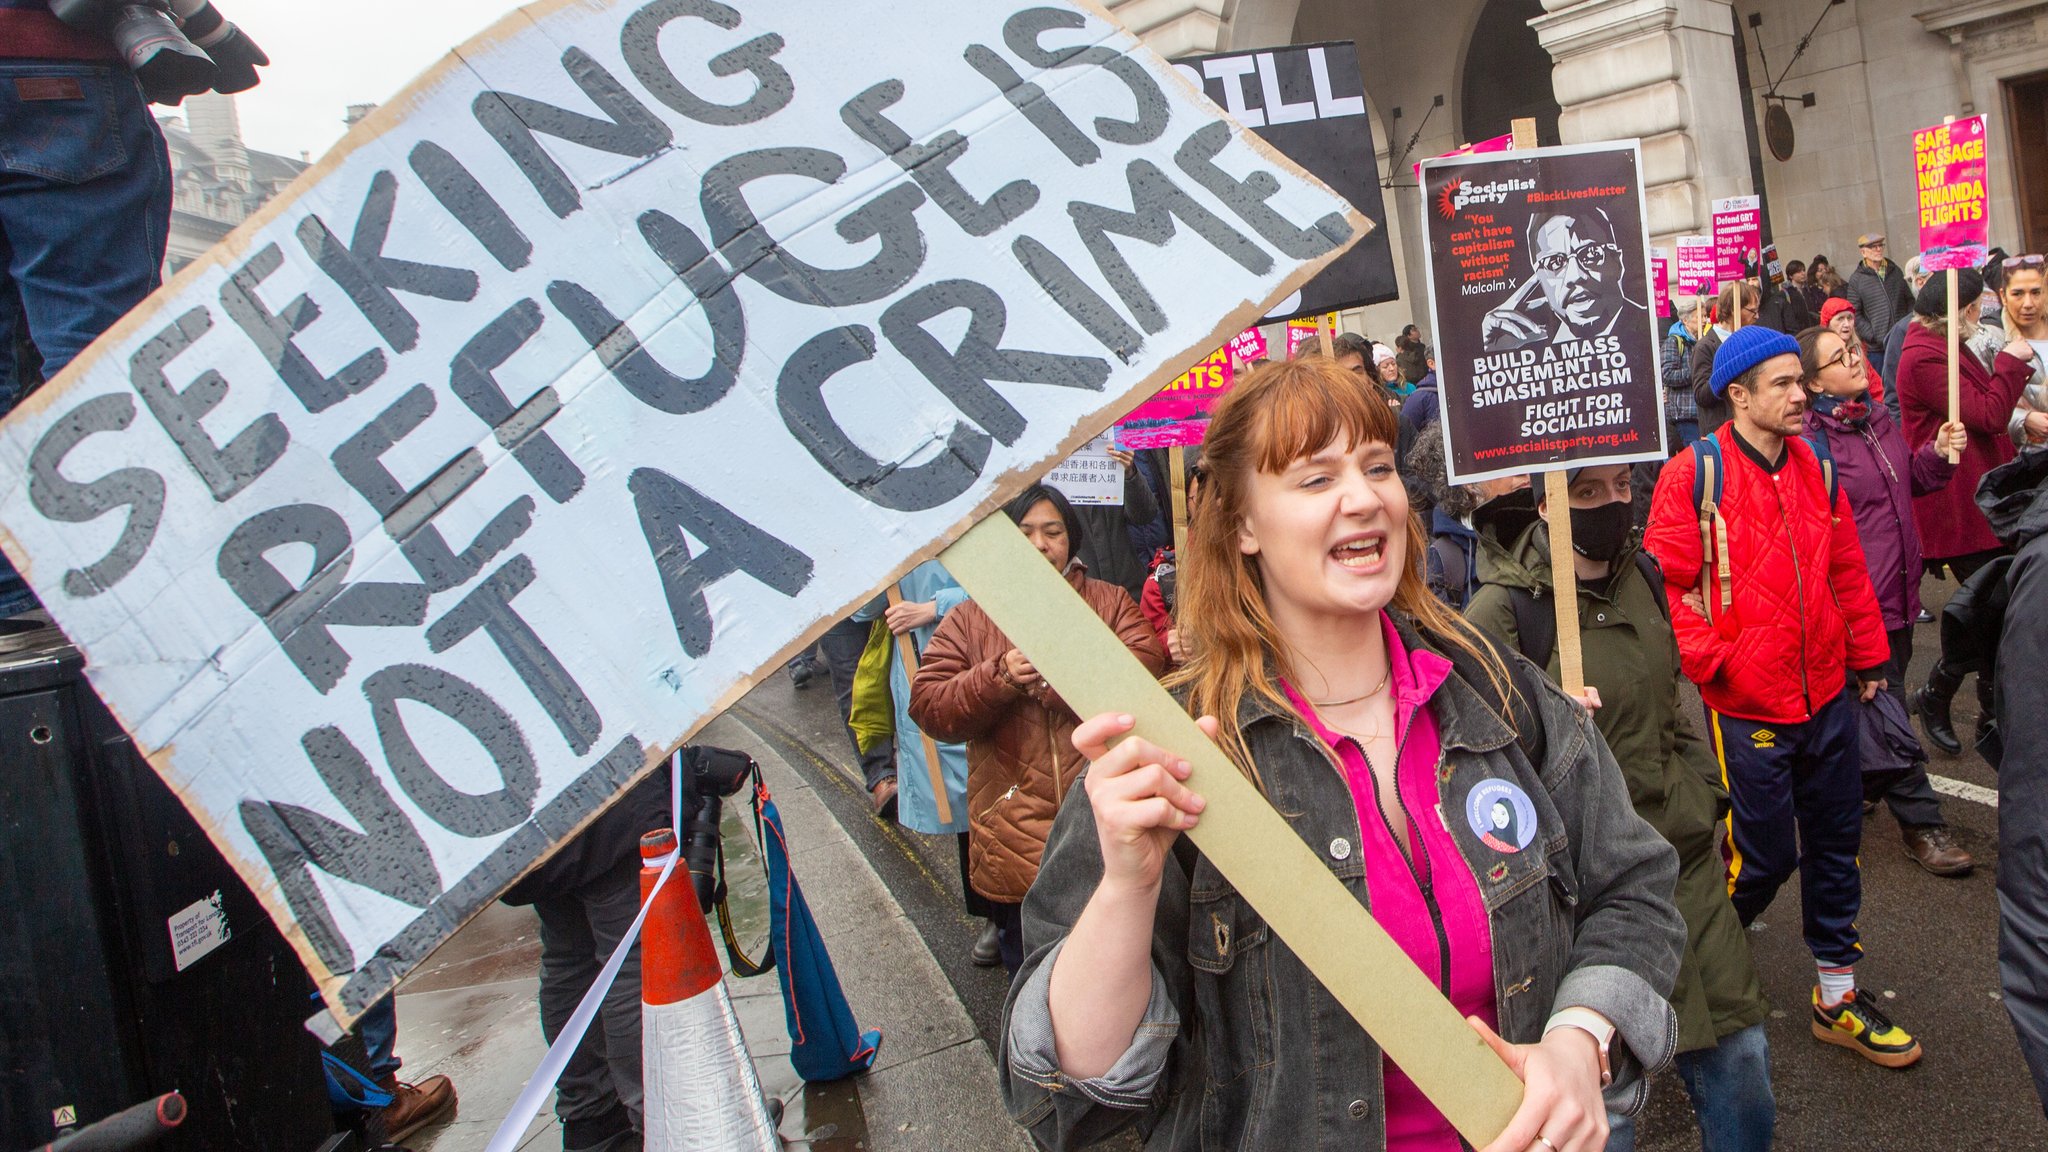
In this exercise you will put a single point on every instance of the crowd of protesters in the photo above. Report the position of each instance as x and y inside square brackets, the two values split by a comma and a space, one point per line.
[1343, 605]
[1376, 649]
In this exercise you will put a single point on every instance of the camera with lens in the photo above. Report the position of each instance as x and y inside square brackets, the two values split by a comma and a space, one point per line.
[709, 776]
[176, 48]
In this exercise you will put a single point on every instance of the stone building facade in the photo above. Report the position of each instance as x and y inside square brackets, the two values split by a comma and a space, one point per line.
[1689, 79]
[216, 181]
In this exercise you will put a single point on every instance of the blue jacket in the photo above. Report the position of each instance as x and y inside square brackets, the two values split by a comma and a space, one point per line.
[1453, 567]
[917, 806]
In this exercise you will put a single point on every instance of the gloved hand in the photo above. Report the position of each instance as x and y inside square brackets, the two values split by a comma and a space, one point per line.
[233, 52]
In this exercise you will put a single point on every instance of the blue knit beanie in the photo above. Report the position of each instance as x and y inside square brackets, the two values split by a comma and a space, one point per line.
[1746, 348]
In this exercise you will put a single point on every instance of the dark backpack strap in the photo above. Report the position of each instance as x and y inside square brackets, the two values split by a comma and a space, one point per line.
[1535, 626]
[1825, 453]
[1452, 571]
[1654, 574]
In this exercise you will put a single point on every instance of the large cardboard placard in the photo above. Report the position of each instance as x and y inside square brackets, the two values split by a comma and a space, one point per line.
[1539, 293]
[1952, 189]
[1308, 100]
[598, 371]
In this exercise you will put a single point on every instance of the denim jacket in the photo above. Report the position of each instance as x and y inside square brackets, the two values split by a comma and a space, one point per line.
[1240, 1047]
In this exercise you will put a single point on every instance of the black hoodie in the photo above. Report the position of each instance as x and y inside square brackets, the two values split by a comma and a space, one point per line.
[2015, 498]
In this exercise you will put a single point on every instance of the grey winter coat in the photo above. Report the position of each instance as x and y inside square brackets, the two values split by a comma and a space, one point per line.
[1880, 299]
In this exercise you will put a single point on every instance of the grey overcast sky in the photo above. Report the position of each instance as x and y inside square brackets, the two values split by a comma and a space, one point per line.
[324, 57]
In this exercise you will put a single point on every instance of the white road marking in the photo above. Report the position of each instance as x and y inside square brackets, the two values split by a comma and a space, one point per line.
[1964, 790]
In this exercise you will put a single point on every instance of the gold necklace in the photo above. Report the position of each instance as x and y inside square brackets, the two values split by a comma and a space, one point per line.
[1377, 689]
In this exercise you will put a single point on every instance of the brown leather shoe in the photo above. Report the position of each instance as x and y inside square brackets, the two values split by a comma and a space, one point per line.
[884, 796]
[413, 1106]
[1935, 850]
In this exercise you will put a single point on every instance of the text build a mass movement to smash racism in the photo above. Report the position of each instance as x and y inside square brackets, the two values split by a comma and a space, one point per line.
[630, 345]
[1540, 293]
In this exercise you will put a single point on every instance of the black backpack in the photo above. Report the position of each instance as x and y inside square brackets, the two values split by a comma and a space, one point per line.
[1536, 619]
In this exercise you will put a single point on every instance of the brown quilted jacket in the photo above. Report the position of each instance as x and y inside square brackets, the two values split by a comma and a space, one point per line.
[1020, 752]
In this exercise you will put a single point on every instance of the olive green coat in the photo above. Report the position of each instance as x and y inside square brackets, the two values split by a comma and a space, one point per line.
[1673, 779]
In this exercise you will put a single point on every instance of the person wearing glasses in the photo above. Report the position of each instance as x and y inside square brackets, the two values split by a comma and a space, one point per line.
[1879, 476]
[1578, 286]
[1711, 410]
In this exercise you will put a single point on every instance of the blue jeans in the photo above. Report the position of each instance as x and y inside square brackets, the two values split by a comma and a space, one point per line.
[85, 208]
[1730, 1086]
[379, 1029]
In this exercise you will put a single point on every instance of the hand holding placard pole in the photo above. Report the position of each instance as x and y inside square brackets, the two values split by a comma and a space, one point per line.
[1955, 386]
[906, 650]
[1564, 578]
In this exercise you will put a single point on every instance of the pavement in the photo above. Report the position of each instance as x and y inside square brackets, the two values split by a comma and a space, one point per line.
[470, 1013]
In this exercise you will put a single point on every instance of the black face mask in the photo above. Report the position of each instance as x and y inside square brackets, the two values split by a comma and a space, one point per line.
[1599, 533]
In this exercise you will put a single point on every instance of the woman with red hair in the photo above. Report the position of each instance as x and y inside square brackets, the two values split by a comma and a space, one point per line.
[1470, 805]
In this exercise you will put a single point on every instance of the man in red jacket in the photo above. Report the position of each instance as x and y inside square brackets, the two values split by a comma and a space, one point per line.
[1784, 613]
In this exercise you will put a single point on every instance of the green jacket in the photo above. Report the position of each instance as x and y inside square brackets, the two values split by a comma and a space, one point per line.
[1631, 656]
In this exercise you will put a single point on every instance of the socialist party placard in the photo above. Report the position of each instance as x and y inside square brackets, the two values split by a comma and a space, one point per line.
[1308, 101]
[1540, 294]
[590, 378]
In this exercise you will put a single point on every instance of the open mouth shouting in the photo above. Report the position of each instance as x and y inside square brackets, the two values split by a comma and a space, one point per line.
[1361, 553]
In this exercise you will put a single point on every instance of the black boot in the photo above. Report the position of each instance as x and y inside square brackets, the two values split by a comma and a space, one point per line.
[1931, 705]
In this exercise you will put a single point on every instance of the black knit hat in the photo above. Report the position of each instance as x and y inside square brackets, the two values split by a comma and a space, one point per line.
[1933, 298]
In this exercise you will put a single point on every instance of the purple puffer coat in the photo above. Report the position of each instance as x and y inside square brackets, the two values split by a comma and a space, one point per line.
[1880, 476]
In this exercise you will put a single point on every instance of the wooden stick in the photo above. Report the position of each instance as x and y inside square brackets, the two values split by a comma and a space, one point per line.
[1177, 464]
[906, 647]
[1328, 327]
[1283, 879]
[1955, 384]
[1564, 577]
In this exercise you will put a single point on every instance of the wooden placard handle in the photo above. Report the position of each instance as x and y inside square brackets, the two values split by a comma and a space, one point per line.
[1564, 577]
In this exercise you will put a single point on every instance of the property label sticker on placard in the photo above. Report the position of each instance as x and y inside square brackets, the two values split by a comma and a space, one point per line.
[198, 929]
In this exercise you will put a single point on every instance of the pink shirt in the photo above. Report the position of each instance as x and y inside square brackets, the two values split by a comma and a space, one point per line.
[1397, 892]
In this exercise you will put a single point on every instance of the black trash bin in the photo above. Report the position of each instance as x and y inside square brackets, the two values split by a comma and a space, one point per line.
[133, 961]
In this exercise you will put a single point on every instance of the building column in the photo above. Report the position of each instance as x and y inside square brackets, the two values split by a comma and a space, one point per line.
[1664, 71]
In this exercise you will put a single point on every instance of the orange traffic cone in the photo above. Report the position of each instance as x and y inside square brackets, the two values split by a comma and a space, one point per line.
[701, 1090]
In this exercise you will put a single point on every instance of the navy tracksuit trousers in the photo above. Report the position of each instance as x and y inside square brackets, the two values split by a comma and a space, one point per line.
[1796, 803]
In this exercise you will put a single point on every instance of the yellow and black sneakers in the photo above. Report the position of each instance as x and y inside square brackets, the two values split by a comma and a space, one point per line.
[1858, 1025]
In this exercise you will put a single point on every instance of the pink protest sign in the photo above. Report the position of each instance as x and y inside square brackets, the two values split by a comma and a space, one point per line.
[1660, 281]
[1950, 179]
[1178, 414]
[1695, 266]
[1248, 346]
[1502, 143]
[1738, 236]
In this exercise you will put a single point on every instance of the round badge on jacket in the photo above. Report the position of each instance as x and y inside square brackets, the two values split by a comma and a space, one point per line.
[1501, 814]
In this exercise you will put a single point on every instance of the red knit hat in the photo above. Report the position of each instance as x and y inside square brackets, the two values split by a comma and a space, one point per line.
[1834, 307]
